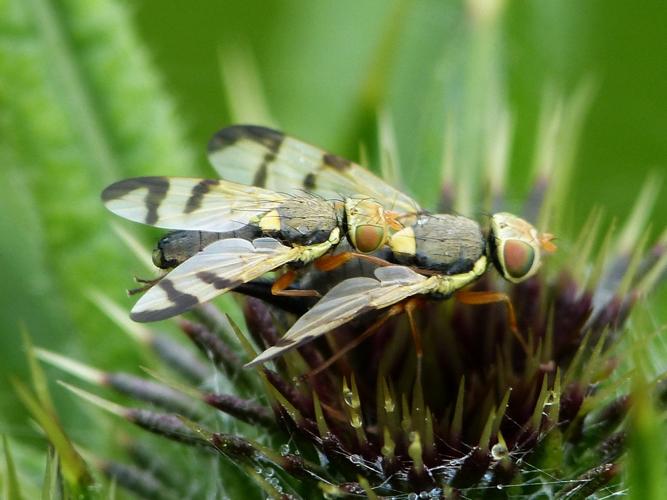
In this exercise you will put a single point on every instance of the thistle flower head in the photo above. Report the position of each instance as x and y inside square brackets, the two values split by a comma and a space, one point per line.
[491, 408]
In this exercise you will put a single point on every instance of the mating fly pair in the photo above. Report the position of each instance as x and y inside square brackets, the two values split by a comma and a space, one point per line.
[293, 214]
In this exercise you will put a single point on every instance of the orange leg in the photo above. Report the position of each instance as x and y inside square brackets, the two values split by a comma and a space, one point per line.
[331, 262]
[286, 280]
[410, 307]
[469, 297]
[393, 311]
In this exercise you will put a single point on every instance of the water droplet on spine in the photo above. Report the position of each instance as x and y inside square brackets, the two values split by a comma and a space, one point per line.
[499, 451]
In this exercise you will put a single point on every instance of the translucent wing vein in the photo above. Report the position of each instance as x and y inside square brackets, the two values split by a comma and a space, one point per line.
[268, 158]
[220, 267]
[348, 300]
[189, 203]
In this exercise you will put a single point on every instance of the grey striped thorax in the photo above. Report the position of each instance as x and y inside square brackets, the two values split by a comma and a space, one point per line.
[445, 243]
[302, 221]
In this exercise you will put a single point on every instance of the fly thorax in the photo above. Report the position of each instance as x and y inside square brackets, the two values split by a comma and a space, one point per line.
[444, 243]
[303, 220]
[367, 228]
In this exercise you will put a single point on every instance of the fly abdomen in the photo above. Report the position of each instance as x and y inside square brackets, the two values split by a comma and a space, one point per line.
[448, 244]
[302, 221]
[176, 247]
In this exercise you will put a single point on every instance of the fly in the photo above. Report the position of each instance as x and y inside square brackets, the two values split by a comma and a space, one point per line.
[453, 249]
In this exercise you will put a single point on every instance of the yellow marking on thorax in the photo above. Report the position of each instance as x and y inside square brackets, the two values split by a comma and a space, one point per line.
[404, 242]
[270, 221]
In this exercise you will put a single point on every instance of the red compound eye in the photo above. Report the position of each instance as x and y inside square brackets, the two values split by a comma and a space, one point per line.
[368, 238]
[518, 257]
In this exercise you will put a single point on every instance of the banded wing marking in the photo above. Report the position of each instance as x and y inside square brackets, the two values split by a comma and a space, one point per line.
[268, 158]
[189, 203]
[348, 300]
[218, 268]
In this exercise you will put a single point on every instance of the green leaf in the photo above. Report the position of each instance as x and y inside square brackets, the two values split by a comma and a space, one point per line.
[82, 105]
[50, 484]
[74, 468]
[647, 458]
[12, 486]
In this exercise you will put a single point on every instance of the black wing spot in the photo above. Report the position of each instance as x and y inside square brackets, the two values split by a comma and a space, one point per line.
[263, 170]
[335, 161]
[285, 342]
[269, 138]
[157, 191]
[198, 193]
[217, 282]
[181, 303]
[309, 181]
[119, 189]
[180, 299]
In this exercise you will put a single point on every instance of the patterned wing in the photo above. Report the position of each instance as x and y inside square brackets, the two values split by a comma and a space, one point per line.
[348, 300]
[189, 203]
[267, 158]
[218, 268]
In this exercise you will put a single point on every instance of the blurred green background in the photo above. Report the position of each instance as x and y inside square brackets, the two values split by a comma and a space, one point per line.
[94, 91]
[314, 56]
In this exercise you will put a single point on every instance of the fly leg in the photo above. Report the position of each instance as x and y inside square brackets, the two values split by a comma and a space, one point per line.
[145, 285]
[486, 297]
[393, 311]
[280, 285]
[331, 262]
[408, 307]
